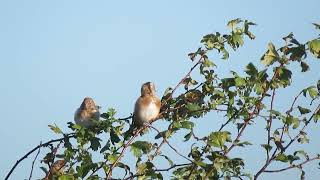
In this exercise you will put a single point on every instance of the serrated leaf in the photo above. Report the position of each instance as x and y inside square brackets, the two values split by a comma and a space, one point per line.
[270, 56]
[218, 139]
[140, 147]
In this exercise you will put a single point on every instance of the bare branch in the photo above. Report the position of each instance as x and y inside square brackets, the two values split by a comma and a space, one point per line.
[34, 162]
[293, 166]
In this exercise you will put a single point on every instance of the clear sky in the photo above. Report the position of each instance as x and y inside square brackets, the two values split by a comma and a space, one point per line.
[54, 53]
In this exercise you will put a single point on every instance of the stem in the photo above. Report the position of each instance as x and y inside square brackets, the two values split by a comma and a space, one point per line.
[34, 149]
[34, 162]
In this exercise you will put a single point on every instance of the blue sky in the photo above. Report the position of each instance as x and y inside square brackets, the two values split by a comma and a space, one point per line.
[54, 53]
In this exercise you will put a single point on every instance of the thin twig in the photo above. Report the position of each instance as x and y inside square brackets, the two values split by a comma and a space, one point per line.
[270, 122]
[34, 149]
[185, 77]
[159, 170]
[174, 149]
[34, 162]
[292, 166]
[274, 155]
[123, 150]
[303, 128]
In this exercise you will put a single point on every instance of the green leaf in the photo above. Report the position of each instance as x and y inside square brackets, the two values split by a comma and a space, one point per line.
[218, 139]
[187, 124]
[251, 70]
[112, 158]
[114, 137]
[296, 123]
[208, 63]
[240, 82]
[313, 92]
[140, 147]
[95, 143]
[242, 144]
[66, 177]
[105, 147]
[267, 147]
[303, 110]
[301, 152]
[270, 56]
[314, 47]
[55, 129]
[282, 158]
[233, 23]
[188, 136]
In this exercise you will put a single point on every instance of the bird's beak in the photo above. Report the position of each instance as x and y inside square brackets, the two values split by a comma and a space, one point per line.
[98, 107]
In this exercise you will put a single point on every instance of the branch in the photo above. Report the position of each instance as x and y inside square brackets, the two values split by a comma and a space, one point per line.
[34, 162]
[175, 150]
[185, 77]
[256, 111]
[158, 170]
[303, 128]
[34, 149]
[274, 155]
[293, 166]
[270, 122]
[123, 150]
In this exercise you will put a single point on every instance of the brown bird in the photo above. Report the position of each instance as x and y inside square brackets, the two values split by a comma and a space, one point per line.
[147, 106]
[56, 170]
[87, 113]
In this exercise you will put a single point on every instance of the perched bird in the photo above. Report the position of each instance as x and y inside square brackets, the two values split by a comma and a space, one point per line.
[147, 106]
[87, 113]
[56, 170]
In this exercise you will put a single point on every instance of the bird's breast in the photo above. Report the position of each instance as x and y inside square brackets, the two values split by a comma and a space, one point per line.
[149, 112]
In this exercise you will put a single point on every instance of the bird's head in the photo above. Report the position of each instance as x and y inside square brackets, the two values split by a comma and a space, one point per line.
[148, 88]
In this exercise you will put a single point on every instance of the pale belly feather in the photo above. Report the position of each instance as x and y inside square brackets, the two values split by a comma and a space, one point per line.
[149, 112]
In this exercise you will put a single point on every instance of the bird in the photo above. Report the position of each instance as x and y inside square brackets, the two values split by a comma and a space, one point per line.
[147, 106]
[56, 170]
[87, 113]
